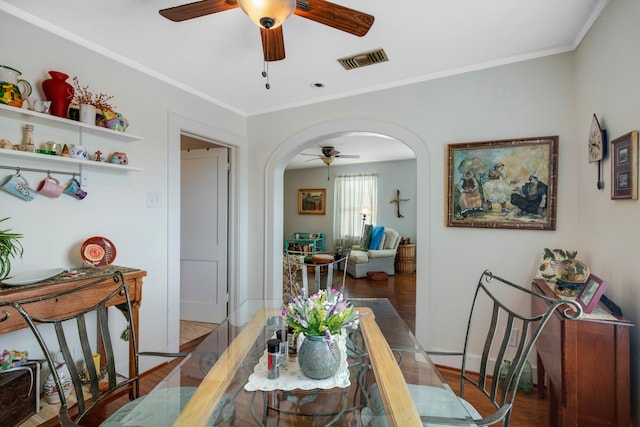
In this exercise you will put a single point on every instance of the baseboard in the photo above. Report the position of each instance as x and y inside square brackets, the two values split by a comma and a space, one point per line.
[473, 364]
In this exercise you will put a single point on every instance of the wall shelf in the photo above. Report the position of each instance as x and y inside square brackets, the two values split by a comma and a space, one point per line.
[49, 120]
[83, 130]
[63, 160]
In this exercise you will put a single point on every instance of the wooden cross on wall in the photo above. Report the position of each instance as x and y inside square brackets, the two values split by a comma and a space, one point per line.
[397, 201]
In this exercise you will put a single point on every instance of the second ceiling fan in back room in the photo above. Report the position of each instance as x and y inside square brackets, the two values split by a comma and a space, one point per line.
[328, 156]
[269, 15]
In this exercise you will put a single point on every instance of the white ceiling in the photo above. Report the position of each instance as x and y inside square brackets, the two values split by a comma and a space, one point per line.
[219, 56]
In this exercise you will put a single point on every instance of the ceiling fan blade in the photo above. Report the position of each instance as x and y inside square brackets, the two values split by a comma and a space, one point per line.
[336, 16]
[197, 9]
[272, 43]
[309, 154]
[348, 156]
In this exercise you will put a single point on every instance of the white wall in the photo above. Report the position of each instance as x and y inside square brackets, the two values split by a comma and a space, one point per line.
[392, 175]
[608, 84]
[116, 205]
[528, 99]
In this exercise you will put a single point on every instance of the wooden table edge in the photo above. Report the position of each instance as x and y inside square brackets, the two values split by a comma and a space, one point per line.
[396, 398]
[207, 396]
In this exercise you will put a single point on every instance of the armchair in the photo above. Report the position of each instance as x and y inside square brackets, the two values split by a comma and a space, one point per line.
[381, 258]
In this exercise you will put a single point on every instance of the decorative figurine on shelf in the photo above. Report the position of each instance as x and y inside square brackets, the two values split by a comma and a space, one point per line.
[79, 152]
[119, 158]
[65, 151]
[98, 157]
[28, 139]
[115, 121]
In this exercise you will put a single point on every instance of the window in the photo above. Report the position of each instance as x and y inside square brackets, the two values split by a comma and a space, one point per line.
[353, 195]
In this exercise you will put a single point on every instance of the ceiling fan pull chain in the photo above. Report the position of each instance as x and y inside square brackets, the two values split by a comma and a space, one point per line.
[265, 74]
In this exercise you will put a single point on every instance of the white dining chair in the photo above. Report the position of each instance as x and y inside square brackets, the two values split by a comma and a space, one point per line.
[318, 271]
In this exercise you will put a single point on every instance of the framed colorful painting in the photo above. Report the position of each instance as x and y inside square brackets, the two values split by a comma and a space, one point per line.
[503, 184]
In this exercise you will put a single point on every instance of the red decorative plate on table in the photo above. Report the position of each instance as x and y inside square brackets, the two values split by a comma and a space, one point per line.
[98, 252]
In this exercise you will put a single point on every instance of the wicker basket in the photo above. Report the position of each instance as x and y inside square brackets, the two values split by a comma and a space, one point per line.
[406, 261]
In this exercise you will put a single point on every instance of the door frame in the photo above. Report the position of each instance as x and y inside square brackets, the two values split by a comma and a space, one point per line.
[178, 126]
[206, 307]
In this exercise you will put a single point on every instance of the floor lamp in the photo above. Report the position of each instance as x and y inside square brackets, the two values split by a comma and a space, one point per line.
[364, 219]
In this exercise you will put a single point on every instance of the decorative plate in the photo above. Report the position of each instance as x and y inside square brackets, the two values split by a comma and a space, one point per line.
[30, 277]
[98, 252]
[549, 262]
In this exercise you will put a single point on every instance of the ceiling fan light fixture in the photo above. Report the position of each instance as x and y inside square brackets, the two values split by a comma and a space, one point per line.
[268, 13]
[328, 160]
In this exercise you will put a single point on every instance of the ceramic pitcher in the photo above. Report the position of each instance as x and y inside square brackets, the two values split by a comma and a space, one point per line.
[12, 89]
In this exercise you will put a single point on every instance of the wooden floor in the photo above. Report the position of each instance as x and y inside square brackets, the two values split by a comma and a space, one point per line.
[529, 411]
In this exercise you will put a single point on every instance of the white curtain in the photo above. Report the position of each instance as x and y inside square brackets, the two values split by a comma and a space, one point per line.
[353, 195]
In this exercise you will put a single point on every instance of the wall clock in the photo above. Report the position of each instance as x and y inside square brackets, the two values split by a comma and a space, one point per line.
[597, 147]
[596, 141]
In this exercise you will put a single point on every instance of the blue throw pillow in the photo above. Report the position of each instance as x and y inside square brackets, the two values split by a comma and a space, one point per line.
[376, 236]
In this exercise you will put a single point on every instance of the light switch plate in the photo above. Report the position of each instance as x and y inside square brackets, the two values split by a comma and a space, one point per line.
[154, 200]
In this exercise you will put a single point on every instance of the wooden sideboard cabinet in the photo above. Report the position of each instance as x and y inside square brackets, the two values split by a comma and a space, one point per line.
[586, 363]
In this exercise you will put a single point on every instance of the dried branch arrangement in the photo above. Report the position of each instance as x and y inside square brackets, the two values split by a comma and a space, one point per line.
[82, 95]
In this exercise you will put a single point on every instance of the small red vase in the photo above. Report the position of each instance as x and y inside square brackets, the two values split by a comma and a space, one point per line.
[59, 92]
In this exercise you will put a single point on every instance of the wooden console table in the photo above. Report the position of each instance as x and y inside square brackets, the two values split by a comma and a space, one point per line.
[586, 363]
[10, 320]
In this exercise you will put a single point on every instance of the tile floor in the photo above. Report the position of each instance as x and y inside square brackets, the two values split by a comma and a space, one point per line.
[191, 330]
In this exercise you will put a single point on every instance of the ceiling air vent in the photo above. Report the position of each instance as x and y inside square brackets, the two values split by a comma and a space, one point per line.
[363, 59]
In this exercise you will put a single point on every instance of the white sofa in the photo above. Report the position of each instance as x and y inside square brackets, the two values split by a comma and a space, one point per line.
[383, 259]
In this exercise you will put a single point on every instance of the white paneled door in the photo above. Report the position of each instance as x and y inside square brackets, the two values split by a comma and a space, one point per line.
[203, 231]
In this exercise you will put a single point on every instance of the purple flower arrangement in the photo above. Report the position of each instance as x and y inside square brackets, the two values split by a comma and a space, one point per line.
[322, 314]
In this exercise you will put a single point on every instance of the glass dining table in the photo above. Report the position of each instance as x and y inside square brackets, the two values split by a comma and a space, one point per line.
[224, 382]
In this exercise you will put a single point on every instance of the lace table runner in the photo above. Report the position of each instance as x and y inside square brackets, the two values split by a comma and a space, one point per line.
[291, 377]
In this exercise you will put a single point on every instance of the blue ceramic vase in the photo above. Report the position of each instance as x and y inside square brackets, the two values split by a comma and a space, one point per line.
[319, 359]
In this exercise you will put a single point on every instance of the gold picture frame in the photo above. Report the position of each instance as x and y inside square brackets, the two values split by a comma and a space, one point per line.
[503, 184]
[312, 201]
[624, 166]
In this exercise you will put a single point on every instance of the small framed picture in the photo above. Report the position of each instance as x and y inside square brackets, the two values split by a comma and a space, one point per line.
[624, 166]
[591, 292]
[312, 202]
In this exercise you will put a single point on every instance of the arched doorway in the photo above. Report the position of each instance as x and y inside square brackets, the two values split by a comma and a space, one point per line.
[274, 173]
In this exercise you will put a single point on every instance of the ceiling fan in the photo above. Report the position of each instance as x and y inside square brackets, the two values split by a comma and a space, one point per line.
[328, 156]
[327, 13]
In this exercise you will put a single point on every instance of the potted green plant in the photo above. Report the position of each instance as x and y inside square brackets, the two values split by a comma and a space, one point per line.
[10, 247]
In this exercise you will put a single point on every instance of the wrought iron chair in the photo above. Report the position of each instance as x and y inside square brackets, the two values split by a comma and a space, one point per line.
[316, 272]
[70, 323]
[493, 338]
